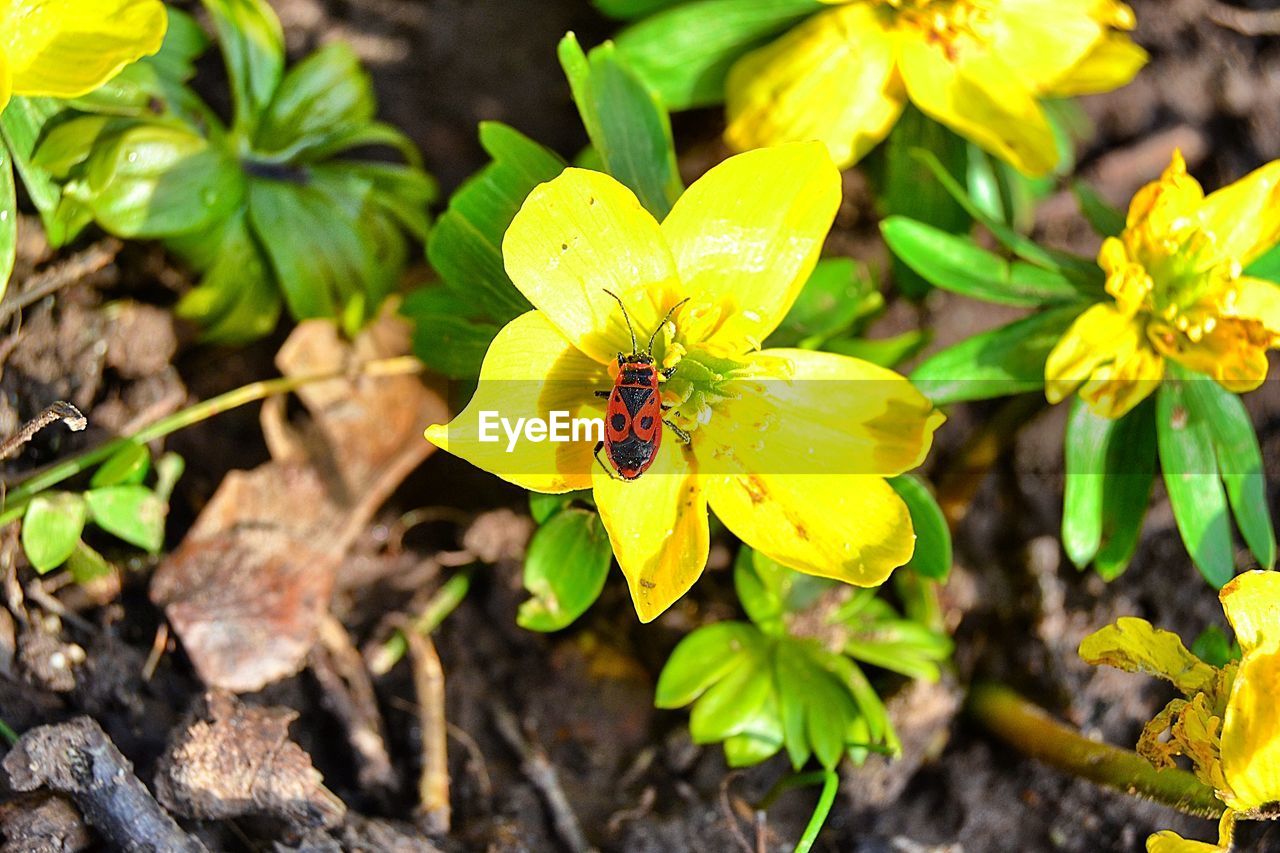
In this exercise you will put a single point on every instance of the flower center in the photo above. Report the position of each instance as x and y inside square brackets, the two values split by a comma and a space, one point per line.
[701, 381]
[950, 23]
[1189, 284]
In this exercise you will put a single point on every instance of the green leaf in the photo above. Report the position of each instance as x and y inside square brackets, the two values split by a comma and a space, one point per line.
[51, 527]
[1239, 462]
[627, 125]
[1007, 360]
[8, 219]
[237, 301]
[730, 705]
[325, 97]
[1085, 445]
[443, 337]
[131, 513]
[87, 565]
[886, 352]
[127, 466]
[625, 9]
[153, 180]
[983, 183]
[1213, 647]
[955, 263]
[1267, 266]
[769, 590]
[21, 123]
[1131, 472]
[252, 44]
[565, 569]
[465, 246]
[702, 658]
[169, 468]
[402, 191]
[837, 295]
[1191, 478]
[932, 557]
[69, 142]
[1102, 217]
[684, 53]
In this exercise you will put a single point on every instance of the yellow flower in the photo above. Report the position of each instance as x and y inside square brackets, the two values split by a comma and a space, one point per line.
[790, 448]
[977, 66]
[1229, 724]
[1175, 279]
[68, 48]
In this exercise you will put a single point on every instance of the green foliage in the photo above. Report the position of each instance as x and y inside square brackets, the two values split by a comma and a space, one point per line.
[932, 557]
[116, 502]
[565, 568]
[278, 209]
[775, 683]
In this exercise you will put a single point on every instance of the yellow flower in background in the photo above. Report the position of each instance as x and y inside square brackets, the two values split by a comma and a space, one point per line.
[977, 66]
[1175, 275]
[68, 48]
[1229, 722]
[790, 448]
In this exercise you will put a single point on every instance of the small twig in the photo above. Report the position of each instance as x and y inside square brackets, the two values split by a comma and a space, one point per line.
[475, 757]
[642, 809]
[726, 808]
[59, 411]
[158, 645]
[348, 693]
[444, 602]
[1248, 22]
[762, 831]
[433, 783]
[541, 773]
[50, 281]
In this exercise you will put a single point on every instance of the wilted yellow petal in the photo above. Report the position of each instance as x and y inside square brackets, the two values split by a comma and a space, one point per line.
[1251, 602]
[1251, 729]
[1258, 299]
[747, 234]
[529, 371]
[1133, 645]
[578, 235]
[1113, 61]
[658, 527]
[830, 79]
[984, 99]
[853, 528]
[1244, 217]
[828, 414]
[1090, 342]
[67, 48]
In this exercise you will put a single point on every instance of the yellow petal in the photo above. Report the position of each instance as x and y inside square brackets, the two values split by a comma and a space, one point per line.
[1162, 204]
[983, 99]
[529, 371]
[1168, 841]
[1234, 352]
[6, 81]
[1251, 602]
[578, 235]
[828, 414]
[1043, 39]
[1251, 731]
[1113, 61]
[658, 527]
[1134, 645]
[850, 527]
[1244, 217]
[748, 233]
[1115, 388]
[1093, 340]
[830, 79]
[1258, 299]
[67, 48]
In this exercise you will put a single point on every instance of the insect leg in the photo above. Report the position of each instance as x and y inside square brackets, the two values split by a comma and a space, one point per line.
[604, 394]
[603, 464]
[684, 437]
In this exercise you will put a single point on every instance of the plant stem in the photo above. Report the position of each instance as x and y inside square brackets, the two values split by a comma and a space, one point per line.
[830, 784]
[1037, 735]
[17, 499]
[444, 602]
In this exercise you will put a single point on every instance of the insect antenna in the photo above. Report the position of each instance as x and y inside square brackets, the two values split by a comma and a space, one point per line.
[673, 310]
[626, 317]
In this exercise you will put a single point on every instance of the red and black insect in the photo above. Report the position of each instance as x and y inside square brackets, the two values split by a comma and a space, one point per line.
[633, 418]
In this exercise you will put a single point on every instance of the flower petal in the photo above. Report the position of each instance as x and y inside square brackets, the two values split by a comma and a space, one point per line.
[983, 99]
[1234, 352]
[1251, 602]
[1044, 39]
[747, 234]
[658, 527]
[826, 414]
[1134, 645]
[830, 78]
[1251, 730]
[529, 371]
[1258, 299]
[578, 235]
[1114, 60]
[1094, 339]
[1168, 841]
[1244, 217]
[853, 528]
[6, 81]
[1115, 388]
[67, 48]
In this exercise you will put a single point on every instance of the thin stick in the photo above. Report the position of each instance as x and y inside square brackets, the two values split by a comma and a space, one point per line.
[1037, 735]
[445, 601]
[59, 411]
[254, 391]
[50, 281]
[433, 783]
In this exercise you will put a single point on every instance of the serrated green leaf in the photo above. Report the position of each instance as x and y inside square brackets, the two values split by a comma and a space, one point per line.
[324, 97]
[702, 658]
[1131, 473]
[1192, 481]
[932, 556]
[131, 513]
[684, 53]
[127, 466]
[1239, 462]
[626, 123]
[955, 263]
[837, 295]
[1102, 217]
[252, 44]
[1007, 360]
[565, 569]
[51, 527]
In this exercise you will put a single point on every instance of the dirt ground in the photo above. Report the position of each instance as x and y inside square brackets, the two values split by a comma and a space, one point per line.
[552, 736]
